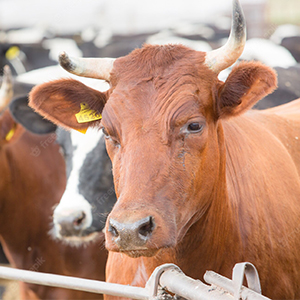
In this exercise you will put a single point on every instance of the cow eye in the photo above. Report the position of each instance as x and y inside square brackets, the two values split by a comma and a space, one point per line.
[105, 132]
[110, 138]
[195, 127]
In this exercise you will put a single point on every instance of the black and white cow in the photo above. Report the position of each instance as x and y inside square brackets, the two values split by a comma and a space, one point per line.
[89, 195]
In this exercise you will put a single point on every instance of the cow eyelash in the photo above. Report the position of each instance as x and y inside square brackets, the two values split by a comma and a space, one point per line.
[105, 132]
[109, 137]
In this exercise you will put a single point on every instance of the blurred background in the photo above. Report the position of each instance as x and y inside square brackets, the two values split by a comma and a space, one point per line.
[34, 32]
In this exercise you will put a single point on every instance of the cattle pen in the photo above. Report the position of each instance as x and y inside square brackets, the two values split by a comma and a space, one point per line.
[166, 278]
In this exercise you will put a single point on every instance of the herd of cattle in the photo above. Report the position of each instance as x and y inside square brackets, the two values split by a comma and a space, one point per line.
[202, 180]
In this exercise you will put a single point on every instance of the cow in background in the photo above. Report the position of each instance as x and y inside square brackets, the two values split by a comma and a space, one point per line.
[33, 178]
[89, 197]
[202, 181]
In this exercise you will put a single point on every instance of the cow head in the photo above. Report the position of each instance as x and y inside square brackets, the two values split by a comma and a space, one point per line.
[161, 119]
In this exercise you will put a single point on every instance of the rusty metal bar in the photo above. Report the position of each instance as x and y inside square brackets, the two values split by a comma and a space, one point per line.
[74, 283]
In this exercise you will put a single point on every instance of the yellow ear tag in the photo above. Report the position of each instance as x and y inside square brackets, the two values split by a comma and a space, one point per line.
[87, 114]
[10, 134]
[82, 130]
[12, 52]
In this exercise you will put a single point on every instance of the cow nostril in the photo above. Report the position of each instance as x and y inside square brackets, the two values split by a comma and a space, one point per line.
[146, 228]
[79, 220]
[113, 230]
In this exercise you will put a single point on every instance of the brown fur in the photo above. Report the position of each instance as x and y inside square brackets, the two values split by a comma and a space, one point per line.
[222, 196]
[30, 185]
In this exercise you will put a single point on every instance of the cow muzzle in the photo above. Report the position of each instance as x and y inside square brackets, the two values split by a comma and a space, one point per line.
[141, 236]
[72, 221]
[71, 225]
[133, 235]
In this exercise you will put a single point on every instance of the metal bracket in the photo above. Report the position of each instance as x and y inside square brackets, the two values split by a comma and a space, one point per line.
[239, 271]
[152, 284]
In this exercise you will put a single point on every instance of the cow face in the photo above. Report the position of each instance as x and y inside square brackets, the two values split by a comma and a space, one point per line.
[157, 129]
[162, 131]
[161, 122]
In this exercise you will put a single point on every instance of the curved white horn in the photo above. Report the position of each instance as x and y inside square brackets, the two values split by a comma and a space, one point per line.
[6, 90]
[99, 68]
[222, 58]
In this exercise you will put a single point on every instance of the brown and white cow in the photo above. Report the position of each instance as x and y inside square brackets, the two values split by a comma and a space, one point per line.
[32, 180]
[202, 181]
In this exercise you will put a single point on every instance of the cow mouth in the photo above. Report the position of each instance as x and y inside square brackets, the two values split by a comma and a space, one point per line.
[81, 239]
[141, 252]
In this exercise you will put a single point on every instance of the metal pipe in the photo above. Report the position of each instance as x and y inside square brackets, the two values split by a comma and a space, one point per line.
[221, 288]
[171, 278]
[215, 279]
[74, 283]
[191, 289]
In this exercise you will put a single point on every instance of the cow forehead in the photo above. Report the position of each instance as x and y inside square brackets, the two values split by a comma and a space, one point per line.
[155, 77]
[157, 62]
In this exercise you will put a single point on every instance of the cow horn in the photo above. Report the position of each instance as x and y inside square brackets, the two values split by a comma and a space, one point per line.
[6, 90]
[222, 58]
[99, 68]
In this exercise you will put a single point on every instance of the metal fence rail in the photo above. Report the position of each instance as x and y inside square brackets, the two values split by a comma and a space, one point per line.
[165, 278]
[74, 283]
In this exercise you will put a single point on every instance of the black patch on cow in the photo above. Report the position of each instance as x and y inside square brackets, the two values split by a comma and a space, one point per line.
[96, 184]
[29, 119]
[63, 138]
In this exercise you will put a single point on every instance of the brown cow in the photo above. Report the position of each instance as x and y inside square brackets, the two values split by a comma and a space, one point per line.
[202, 181]
[32, 180]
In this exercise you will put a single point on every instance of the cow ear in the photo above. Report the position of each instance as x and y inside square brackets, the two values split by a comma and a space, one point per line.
[68, 103]
[247, 83]
[32, 121]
